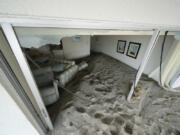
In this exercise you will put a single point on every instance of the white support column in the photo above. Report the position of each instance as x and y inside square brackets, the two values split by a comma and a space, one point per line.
[15, 46]
[148, 52]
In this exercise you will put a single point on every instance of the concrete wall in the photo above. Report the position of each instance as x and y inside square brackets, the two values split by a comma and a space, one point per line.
[12, 119]
[108, 45]
[145, 12]
[74, 49]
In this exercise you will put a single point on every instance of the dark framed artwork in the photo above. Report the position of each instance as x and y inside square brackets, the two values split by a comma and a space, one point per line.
[121, 45]
[133, 49]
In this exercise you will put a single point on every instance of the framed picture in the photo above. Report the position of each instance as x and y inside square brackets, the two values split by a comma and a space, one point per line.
[121, 45]
[133, 49]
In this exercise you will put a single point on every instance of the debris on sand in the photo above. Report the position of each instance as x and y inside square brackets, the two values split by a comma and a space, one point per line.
[105, 86]
[139, 92]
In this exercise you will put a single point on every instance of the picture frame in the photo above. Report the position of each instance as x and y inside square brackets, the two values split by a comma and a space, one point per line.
[133, 49]
[121, 46]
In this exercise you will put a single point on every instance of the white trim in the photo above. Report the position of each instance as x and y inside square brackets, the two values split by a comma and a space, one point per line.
[14, 44]
[31, 21]
[148, 52]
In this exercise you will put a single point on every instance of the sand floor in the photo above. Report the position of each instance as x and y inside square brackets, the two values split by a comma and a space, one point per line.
[100, 106]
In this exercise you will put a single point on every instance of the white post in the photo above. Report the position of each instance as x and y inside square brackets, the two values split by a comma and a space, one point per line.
[14, 44]
[148, 52]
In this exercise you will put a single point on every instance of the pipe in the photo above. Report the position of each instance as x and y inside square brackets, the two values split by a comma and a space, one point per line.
[82, 66]
[69, 74]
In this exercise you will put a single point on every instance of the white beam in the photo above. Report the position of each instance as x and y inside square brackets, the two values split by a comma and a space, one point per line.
[21, 21]
[148, 52]
[14, 44]
[46, 31]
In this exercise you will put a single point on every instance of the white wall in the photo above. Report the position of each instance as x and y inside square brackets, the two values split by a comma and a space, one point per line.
[175, 81]
[144, 12]
[108, 45]
[12, 119]
[76, 49]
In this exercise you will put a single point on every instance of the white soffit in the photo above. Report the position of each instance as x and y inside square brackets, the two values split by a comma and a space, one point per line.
[22, 31]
